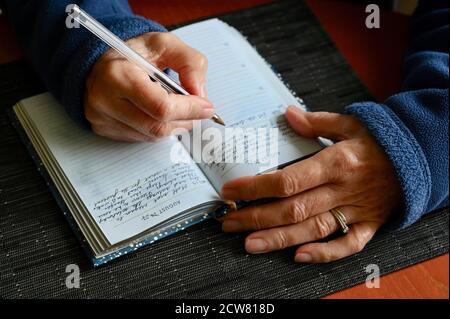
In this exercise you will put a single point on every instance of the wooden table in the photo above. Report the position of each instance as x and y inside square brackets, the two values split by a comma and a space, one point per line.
[376, 56]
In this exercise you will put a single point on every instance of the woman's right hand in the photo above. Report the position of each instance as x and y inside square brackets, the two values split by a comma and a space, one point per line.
[122, 103]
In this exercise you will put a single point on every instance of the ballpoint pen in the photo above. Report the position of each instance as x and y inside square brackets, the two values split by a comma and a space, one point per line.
[80, 16]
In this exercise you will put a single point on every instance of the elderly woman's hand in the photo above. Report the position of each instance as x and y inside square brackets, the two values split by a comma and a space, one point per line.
[122, 103]
[354, 175]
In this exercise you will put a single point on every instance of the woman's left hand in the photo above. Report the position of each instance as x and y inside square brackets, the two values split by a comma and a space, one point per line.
[354, 175]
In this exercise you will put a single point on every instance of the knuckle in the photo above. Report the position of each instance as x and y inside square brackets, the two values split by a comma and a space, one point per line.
[112, 71]
[256, 221]
[340, 154]
[297, 212]
[163, 36]
[202, 61]
[137, 85]
[358, 244]
[287, 184]
[137, 81]
[326, 256]
[191, 106]
[347, 159]
[280, 239]
[322, 227]
[158, 39]
[157, 130]
[161, 109]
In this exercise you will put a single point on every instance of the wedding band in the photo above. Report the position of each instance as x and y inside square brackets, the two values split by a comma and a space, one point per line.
[340, 217]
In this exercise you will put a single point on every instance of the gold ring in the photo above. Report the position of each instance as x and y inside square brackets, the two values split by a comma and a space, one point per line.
[340, 217]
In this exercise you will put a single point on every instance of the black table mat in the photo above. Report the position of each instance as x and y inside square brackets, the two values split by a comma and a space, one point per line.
[36, 243]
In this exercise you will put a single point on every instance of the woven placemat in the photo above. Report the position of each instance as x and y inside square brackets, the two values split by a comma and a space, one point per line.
[36, 243]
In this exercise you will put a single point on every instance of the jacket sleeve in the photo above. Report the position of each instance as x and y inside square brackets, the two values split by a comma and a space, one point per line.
[63, 57]
[412, 126]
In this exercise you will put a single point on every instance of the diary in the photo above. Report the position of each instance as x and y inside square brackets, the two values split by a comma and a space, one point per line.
[120, 196]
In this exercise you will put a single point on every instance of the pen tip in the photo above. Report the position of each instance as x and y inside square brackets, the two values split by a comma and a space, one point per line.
[218, 120]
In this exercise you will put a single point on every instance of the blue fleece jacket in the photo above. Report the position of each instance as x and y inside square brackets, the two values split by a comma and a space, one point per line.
[411, 126]
[64, 57]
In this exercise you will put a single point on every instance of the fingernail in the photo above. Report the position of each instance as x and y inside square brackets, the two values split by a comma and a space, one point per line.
[231, 226]
[256, 245]
[294, 108]
[303, 258]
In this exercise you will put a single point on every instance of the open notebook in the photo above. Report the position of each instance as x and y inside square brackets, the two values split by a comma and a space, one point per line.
[119, 196]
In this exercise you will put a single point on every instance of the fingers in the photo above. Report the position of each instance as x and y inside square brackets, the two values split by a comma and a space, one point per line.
[278, 238]
[335, 126]
[190, 64]
[312, 229]
[125, 112]
[189, 108]
[287, 211]
[351, 243]
[295, 178]
[122, 111]
[137, 126]
[110, 128]
[119, 90]
[153, 100]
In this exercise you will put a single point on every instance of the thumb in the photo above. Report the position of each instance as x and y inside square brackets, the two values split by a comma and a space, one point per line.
[334, 126]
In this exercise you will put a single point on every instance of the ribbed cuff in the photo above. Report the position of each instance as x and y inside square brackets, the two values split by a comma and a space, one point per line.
[405, 154]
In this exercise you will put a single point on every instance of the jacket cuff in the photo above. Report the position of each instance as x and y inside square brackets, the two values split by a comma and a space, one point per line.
[405, 154]
[84, 58]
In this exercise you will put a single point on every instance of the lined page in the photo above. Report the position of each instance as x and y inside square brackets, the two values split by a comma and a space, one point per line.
[127, 187]
[246, 93]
